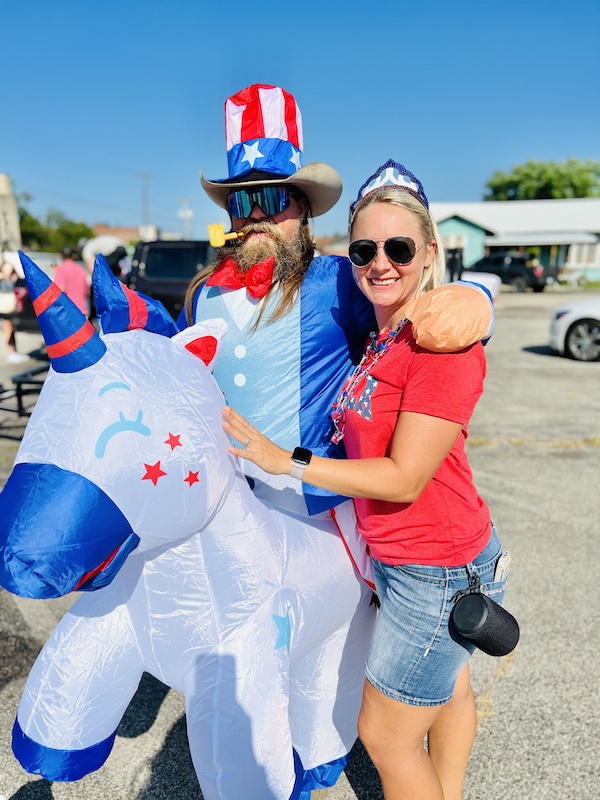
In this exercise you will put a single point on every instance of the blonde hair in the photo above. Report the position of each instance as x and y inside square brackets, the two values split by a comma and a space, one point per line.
[436, 272]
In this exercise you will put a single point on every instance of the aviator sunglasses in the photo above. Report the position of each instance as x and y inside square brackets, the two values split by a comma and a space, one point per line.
[399, 249]
[271, 199]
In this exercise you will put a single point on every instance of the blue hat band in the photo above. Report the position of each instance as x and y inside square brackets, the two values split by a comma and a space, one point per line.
[273, 156]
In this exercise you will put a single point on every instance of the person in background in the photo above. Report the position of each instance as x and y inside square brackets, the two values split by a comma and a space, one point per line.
[73, 279]
[403, 415]
[8, 308]
[115, 261]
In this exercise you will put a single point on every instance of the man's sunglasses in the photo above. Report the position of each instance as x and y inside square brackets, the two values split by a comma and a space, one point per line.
[399, 250]
[271, 199]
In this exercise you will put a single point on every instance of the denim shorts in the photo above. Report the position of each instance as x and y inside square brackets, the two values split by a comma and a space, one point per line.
[413, 657]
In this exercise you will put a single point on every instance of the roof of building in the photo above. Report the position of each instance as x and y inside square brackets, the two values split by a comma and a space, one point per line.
[518, 217]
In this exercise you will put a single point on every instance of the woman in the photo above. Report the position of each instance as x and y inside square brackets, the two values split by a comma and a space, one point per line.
[403, 415]
[8, 308]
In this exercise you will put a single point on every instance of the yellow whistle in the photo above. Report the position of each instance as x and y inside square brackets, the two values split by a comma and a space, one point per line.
[217, 236]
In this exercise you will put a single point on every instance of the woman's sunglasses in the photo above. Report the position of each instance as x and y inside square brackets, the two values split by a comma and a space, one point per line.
[271, 199]
[399, 250]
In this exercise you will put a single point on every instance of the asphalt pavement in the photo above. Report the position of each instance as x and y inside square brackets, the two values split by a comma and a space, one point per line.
[535, 452]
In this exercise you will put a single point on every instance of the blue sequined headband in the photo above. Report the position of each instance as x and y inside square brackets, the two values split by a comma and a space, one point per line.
[394, 175]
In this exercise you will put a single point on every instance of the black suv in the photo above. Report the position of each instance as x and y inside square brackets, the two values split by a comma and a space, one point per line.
[163, 270]
[515, 271]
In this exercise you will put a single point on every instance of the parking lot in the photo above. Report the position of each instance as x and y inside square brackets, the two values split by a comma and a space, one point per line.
[534, 448]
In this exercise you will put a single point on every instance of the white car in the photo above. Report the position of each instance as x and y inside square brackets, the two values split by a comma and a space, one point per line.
[575, 330]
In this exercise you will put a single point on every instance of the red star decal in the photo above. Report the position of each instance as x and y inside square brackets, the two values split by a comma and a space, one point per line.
[192, 478]
[153, 472]
[173, 441]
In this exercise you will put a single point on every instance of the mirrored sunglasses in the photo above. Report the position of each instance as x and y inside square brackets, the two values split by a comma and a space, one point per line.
[271, 199]
[399, 249]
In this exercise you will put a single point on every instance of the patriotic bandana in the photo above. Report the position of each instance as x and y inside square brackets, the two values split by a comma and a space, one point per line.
[396, 176]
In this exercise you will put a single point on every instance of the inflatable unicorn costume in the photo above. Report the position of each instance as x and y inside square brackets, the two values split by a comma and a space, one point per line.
[123, 489]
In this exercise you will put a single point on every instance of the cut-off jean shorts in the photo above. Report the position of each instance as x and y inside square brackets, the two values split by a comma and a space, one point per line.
[414, 657]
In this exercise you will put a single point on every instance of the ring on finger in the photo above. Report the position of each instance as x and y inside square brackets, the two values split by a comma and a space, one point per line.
[247, 442]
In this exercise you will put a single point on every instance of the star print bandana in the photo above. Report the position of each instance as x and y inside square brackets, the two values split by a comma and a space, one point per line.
[391, 174]
[257, 280]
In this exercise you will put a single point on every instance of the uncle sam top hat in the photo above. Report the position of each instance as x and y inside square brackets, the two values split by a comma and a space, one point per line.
[263, 127]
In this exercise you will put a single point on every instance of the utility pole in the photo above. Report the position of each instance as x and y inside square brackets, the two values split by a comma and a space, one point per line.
[144, 179]
[185, 213]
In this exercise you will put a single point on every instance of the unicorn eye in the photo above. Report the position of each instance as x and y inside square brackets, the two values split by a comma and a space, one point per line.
[115, 385]
[122, 426]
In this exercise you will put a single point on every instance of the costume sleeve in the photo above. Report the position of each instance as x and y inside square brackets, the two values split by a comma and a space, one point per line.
[356, 315]
[452, 317]
[444, 385]
[182, 322]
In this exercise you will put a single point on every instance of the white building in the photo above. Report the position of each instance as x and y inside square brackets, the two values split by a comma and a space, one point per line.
[10, 232]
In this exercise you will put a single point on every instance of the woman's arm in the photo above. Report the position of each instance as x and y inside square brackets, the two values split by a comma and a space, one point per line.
[420, 445]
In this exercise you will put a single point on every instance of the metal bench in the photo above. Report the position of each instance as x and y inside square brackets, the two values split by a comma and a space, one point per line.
[25, 383]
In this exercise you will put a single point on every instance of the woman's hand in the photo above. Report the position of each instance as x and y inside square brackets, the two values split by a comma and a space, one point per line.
[255, 447]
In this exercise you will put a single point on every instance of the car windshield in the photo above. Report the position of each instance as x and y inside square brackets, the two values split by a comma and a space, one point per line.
[165, 263]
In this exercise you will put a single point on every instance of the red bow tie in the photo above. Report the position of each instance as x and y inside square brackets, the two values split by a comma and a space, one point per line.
[257, 280]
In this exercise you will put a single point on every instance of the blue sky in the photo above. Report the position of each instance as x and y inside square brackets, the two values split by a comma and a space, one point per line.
[96, 95]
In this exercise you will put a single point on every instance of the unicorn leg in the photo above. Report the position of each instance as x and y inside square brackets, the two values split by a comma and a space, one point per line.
[237, 716]
[77, 692]
[325, 697]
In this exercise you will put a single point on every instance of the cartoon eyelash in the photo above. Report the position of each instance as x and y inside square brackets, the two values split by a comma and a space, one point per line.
[122, 426]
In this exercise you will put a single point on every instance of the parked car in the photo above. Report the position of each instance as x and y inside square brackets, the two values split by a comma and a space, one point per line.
[575, 330]
[492, 283]
[515, 272]
[163, 270]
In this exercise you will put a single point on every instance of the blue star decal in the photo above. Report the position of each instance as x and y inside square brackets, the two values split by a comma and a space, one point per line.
[284, 630]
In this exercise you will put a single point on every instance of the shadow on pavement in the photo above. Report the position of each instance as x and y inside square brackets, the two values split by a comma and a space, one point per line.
[542, 350]
[362, 775]
[173, 774]
[144, 707]
[38, 790]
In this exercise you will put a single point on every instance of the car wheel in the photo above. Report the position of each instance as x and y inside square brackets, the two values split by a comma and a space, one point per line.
[582, 341]
[539, 288]
[518, 284]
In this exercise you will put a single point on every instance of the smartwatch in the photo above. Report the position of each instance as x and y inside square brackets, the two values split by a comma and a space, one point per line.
[300, 460]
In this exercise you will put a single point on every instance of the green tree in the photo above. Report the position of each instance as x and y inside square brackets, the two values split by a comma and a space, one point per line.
[64, 233]
[546, 180]
[33, 234]
[52, 234]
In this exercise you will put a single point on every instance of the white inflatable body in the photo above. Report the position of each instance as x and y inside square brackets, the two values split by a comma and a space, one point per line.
[257, 617]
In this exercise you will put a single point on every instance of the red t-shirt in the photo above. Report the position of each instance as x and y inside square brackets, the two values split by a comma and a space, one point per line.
[449, 524]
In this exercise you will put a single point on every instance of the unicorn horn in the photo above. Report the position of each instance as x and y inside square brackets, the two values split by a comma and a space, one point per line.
[72, 342]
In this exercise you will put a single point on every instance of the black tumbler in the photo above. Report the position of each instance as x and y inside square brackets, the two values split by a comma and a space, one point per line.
[485, 624]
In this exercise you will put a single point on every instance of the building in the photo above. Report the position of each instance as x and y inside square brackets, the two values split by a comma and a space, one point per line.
[10, 231]
[563, 233]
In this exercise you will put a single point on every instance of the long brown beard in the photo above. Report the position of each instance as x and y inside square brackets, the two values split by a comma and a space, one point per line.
[292, 257]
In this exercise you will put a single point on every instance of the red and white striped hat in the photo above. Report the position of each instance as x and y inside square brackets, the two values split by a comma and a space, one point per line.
[263, 128]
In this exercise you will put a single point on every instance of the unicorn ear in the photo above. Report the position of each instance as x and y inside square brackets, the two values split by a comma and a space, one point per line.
[203, 340]
[72, 342]
[121, 309]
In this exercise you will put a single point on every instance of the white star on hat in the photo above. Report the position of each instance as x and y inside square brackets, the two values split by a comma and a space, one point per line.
[295, 159]
[251, 153]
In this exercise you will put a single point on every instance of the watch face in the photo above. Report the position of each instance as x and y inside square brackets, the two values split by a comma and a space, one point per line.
[302, 455]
